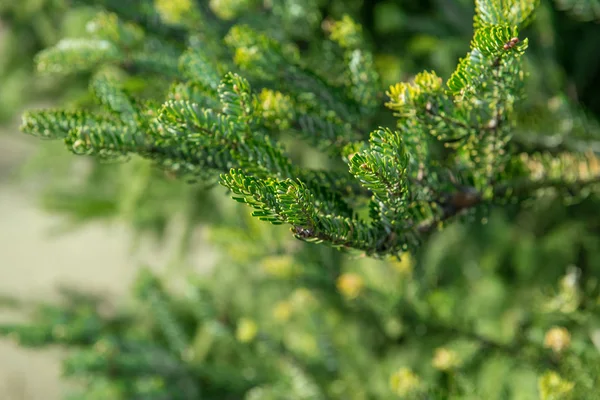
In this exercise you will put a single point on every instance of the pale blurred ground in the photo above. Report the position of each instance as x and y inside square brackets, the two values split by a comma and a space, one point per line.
[33, 262]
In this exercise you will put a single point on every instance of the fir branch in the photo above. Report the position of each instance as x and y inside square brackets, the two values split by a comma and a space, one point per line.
[469, 198]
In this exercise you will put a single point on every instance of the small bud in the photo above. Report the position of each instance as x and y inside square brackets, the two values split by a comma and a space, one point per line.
[404, 382]
[327, 25]
[246, 330]
[511, 43]
[174, 11]
[557, 339]
[445, 359]
[350, 285]
[282, 311]
[552, 386]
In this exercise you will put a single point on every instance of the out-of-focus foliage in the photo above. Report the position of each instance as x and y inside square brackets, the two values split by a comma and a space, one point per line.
[496, 311]
[498, 305]
[585, 10]
[27, 27]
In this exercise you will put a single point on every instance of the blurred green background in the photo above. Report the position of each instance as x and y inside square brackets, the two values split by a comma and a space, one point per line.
[38, 252]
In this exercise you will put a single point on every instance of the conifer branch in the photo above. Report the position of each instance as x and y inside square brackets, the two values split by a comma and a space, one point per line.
[466, 199]
[216, 123]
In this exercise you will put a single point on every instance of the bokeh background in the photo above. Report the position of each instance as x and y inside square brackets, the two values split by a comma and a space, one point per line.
[38, 255]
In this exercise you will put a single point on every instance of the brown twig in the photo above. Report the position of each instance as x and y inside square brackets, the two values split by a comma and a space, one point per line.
[468, 199]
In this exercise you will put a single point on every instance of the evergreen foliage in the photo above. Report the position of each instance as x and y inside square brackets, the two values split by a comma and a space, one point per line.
[26, 27]
[473, 198]
[450, 140]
